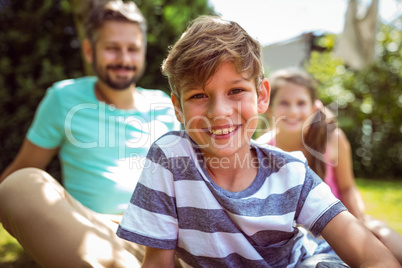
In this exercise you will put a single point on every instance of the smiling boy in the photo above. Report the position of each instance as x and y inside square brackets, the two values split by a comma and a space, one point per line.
[221, 118]
[215, 198]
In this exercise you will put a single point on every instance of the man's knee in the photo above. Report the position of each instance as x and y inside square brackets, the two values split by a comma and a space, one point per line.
[21, 181]
[21, 190]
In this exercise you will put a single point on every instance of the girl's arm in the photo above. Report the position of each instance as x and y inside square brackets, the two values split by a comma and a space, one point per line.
[155, 257]
[355, 244]
[349, 194]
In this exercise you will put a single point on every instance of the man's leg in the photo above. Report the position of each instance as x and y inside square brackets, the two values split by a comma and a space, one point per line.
[55, 229]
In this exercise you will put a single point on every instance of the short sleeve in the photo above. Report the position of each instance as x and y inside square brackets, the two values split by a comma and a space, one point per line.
[317, 204]
[47, 127]
[151, 217]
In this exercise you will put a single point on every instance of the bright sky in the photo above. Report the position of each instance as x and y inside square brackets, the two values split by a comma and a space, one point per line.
[271, 21]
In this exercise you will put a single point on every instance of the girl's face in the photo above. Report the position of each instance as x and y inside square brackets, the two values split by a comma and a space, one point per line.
[291, 107]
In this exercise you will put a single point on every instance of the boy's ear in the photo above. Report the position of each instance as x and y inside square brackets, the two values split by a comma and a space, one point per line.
[177, 108]
[87, 50]
[263, 97]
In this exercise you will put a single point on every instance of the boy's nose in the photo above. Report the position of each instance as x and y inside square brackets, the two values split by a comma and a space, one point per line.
[218, 108]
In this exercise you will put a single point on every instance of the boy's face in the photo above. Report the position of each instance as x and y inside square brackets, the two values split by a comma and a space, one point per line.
[222, 117]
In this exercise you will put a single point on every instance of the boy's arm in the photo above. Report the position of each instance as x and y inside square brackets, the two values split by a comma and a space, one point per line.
[355, 244]
[155, 257]
[30, 155]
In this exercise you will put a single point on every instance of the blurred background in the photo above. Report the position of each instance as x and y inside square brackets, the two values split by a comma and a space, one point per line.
[353, 48]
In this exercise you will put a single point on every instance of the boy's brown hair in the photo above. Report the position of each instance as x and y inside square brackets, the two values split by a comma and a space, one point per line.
[207, 42]
[115, 10]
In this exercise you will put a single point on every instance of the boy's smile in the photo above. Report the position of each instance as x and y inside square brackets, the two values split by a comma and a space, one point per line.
[222, 132]
[222, 117]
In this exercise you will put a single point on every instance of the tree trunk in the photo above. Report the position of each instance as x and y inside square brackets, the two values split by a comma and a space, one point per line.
[80, 10]
[356, 45]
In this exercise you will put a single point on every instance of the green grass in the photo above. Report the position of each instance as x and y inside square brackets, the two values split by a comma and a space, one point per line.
[383, 201]
[11, 253]
[10, 250]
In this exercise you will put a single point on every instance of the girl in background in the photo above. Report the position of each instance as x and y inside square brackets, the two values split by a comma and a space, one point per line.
[299, 122]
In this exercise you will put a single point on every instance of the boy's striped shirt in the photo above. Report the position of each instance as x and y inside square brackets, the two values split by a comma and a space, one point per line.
[176, 205]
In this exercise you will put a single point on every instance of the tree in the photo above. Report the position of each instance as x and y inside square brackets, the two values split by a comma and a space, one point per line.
[357, 42]
[38, 45]
[370, 102]
[80, 9]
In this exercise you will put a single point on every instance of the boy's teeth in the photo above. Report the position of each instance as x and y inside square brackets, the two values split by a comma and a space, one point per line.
[222, 131]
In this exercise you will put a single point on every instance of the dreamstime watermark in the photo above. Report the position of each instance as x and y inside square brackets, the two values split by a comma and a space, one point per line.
[117, 130]
[325, 117]
[182, 165]
[246, 162]
[140, 131]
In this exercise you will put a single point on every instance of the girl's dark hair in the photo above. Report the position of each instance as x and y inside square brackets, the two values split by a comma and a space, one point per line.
[316, 138]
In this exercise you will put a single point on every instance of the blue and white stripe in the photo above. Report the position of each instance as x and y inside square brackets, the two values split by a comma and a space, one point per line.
[176, 205]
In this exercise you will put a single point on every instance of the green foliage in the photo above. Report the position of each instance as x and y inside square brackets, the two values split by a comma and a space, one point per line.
[369, 102]
[39, 46]
[167, 20]
[326, 42]
[10, 249]
[11, 252]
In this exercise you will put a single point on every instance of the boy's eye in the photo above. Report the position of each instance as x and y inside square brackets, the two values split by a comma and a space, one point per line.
[198, 96]
[236, 91]
[284, 103]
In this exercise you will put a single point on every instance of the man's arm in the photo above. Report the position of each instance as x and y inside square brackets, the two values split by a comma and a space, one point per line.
[30, 155]
[355, 244]
[155, 257]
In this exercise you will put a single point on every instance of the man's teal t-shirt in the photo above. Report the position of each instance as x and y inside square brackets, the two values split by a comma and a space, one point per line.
[102, 149]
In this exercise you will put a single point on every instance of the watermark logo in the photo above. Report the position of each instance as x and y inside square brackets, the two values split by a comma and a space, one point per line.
[107, 128]
[114, 130]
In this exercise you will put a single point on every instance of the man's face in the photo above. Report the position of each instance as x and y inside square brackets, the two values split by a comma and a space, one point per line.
[119, 54]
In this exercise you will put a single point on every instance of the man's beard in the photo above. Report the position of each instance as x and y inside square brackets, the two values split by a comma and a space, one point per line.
[117, 84]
